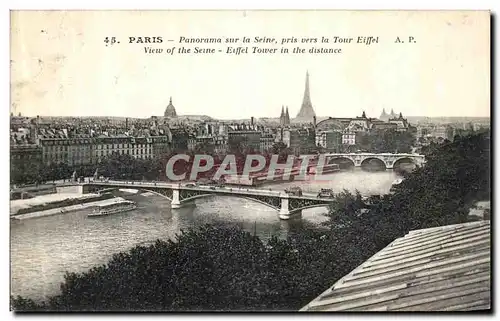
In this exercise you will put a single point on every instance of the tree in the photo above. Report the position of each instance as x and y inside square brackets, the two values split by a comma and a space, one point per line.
[210, 268]
[237, 144]
[36, 172]
[278, 148]
[124, 166]
[455, 176]
[386, 141]
[282, 150]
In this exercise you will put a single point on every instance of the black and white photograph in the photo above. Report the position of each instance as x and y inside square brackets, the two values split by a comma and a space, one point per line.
[250, 161]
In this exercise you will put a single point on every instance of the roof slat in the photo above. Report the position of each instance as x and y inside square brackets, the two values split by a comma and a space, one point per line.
[438, 269]
[441, 302]
[440, 240]
[433, 257]
[442, 249]
[413, 279]
[405, 293]
[422, 269]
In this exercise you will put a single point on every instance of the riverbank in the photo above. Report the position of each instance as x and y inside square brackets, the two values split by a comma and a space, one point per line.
[57, 201]
[66, 209]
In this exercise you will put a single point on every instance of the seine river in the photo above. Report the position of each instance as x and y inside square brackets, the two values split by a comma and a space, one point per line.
[42, 249]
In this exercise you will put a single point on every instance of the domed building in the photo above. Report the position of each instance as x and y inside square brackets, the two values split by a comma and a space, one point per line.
[170, 110]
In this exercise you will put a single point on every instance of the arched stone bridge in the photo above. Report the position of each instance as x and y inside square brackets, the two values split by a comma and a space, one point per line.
[389, 160]
[179, 194]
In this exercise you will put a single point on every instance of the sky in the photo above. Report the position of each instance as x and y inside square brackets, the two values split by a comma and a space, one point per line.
[60, 65]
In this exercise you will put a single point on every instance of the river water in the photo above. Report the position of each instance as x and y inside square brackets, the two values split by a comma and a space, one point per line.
[42, 249]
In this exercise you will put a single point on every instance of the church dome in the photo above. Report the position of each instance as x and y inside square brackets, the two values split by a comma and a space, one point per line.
[170, 110]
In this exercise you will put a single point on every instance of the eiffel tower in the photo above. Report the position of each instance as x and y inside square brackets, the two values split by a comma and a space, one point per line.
[306, 113]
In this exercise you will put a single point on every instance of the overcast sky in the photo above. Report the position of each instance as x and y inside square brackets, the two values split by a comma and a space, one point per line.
[60, 65]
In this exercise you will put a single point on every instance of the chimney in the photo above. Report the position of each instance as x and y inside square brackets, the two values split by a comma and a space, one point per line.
[314, 121]
[251, 121]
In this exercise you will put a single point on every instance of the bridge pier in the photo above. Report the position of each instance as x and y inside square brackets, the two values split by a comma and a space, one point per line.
[176, 202]
[285, 213]
[284, 210]
[288, 216]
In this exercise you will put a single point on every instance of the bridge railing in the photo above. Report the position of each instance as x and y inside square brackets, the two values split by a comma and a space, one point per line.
[208, 188]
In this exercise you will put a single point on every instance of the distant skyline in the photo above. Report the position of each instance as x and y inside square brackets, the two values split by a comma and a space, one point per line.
[61, 67]
[256, 117]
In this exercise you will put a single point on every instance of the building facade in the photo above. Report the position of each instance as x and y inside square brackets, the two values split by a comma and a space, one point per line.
[401, 123]
[299, 140]
[25, 154]
[267, 141]
[244, 139]
[349, 138]
[87, 151]
[329, 141]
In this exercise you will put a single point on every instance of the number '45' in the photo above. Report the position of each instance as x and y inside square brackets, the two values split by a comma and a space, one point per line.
[109, 41]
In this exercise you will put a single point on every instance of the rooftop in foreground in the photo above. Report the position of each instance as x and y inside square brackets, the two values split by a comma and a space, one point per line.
[437, 269]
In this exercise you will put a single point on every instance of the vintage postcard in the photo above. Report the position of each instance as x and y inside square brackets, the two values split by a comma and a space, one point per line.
[305, 161]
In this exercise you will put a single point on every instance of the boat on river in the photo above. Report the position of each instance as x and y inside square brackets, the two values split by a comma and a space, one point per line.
[113, 208]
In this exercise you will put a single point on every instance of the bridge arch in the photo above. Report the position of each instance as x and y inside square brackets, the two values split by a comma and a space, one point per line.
[274, 205]
[295, 210]
[156, 193]
[373, 163]
[343, 161]
[164, 195]
[399, 162]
